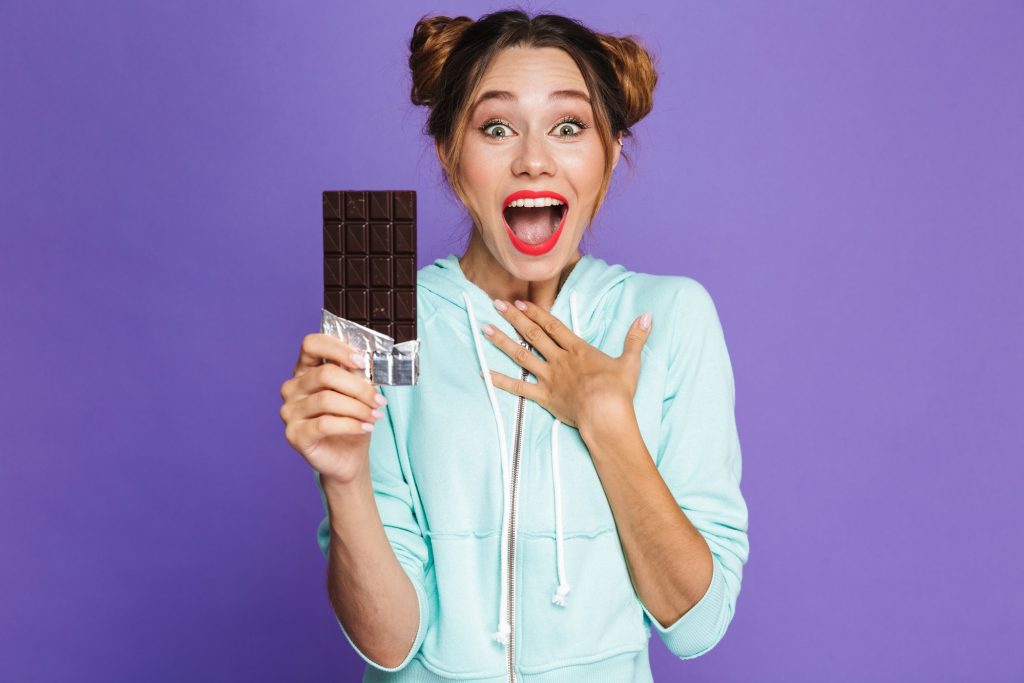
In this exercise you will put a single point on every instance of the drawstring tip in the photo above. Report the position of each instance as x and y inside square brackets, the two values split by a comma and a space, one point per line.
[501, 635]
[559, 596]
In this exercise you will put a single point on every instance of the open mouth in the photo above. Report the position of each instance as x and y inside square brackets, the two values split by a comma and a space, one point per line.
[535, 222]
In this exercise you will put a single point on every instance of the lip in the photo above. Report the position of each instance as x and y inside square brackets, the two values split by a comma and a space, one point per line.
[530, 194]
[545, 246]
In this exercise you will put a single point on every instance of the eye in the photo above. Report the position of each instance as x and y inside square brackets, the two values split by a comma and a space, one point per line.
[495, 123]
[567, 124]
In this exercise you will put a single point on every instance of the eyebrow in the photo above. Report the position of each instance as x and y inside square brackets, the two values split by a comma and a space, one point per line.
[507, 96]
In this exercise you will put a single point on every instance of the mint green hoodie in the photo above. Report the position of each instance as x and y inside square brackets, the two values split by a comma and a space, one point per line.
[496, 512]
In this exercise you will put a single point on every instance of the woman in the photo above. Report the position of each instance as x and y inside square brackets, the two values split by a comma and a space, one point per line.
[506, 521]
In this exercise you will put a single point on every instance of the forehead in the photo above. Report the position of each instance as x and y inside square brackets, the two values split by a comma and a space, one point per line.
[520, 68]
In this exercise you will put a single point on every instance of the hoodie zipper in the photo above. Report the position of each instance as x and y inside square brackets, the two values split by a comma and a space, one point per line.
[512, 678]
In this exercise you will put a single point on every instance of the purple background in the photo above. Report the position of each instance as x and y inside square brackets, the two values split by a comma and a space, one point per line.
[846, 179]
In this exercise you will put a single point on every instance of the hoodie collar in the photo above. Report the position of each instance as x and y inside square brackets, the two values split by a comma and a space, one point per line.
[592, 278]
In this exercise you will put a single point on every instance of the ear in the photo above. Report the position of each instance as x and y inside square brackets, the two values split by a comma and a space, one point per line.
[616, 151]
[439, 150]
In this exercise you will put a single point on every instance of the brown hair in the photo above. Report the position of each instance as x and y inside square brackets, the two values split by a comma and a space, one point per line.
[449, 56]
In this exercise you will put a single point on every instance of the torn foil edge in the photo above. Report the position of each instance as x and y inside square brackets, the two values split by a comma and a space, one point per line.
[386, 362]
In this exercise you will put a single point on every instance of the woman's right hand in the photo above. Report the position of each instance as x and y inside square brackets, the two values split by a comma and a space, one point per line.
[330, 408]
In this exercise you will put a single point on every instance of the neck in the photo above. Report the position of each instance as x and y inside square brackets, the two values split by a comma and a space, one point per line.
[481, 268]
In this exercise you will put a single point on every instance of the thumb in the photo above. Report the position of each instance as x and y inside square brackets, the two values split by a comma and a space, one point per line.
[636, 337]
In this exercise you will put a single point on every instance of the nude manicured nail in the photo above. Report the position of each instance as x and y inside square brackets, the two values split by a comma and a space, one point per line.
[500, 305]
[367, 426]
[377, 413]
[357, 358]
[379, 398]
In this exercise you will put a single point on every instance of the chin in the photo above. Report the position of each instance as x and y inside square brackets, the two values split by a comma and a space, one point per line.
[535, 268]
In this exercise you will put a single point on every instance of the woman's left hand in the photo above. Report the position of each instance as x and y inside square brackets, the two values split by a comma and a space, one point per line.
[577, 383]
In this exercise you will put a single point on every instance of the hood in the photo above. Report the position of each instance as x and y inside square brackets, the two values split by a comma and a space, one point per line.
[592, 278]
[580, 304]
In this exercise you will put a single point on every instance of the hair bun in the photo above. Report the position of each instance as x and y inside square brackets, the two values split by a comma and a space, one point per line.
[637, 74]
[432, 41]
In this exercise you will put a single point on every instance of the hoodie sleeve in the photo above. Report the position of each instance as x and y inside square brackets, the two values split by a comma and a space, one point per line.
[394, 502]
[698, 456]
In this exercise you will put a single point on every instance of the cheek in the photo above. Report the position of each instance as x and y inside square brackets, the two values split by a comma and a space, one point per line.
[586, 170]
[479, 171]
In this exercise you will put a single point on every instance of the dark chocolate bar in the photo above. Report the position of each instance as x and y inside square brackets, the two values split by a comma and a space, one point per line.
[370, 259]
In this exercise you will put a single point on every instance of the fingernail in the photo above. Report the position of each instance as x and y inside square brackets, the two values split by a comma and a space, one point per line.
[645, 321]
[500, 305]
[367, 426]
[357, 358]
[379, 398]
[488, 330]
[520, 305]
[377, 413]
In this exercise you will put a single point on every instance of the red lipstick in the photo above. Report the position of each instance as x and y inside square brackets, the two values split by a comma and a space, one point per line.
[545, 246]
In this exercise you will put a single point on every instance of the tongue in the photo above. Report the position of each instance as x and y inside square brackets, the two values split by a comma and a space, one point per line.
[532, 225]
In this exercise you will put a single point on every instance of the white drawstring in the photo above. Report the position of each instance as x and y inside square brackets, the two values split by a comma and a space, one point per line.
[504, 627]
[559, 598]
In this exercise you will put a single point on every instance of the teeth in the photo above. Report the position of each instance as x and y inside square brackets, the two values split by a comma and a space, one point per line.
[542, 201]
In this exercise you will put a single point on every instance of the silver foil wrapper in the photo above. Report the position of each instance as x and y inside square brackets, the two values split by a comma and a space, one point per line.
[386, 362]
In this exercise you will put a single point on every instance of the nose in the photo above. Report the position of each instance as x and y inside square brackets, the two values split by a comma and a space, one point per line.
[533, 157]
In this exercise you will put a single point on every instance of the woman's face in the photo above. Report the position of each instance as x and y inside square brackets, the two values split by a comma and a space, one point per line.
[532, 129]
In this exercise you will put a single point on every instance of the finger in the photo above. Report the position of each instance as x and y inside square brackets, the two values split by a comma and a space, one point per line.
[517, 386]
[636, 337]
[529, 330]
[553, 327]
[318, 346]
[516, 351]
[306, 433]
[343, 381]
[329, 402]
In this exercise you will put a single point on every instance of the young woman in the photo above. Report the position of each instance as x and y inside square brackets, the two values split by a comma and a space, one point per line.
[566, 472]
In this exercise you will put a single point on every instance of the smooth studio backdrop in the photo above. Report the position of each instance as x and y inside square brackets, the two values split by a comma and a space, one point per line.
[845, 178]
